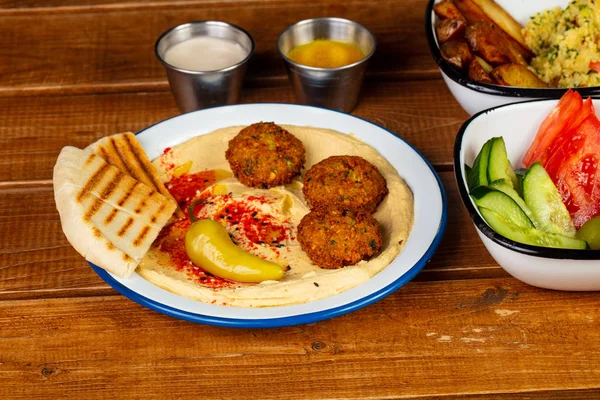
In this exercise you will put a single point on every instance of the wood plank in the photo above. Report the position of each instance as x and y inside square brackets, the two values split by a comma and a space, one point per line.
[36, 261]
[473, 338]
[33, 130]
[585, 394]
[57, 6]
[32, 6]
[103, 51]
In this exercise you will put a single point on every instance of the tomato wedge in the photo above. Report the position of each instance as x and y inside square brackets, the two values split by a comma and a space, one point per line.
[555, 123]
[575, 170]
[586, 110]
[595, 65]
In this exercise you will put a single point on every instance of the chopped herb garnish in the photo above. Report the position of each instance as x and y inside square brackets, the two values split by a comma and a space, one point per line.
[373, 244]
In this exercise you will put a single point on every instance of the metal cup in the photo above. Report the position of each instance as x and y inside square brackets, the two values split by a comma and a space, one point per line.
[336, 88]
[194, 90]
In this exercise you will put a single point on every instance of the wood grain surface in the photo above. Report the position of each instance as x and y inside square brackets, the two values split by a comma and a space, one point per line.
[34, 129]
[92, 50]
[428, 339]
[72, 71]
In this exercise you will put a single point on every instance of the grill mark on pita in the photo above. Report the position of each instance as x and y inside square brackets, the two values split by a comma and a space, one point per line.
[141, 236]
[157, 213]
[112, 186]
[140, 161]
[125, 227]
[159, 187]
[104, 154]
[128, 194]
[93, 209]
[92, 182]
[111, 216]
[106, 192]
[127, 258]
[89, 160]
[110, 246]
[97, 232]
[123, 161]
[140, 207]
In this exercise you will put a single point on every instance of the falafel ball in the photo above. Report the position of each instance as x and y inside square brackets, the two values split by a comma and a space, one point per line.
[345, 182]
[264, 155]
[336, 238]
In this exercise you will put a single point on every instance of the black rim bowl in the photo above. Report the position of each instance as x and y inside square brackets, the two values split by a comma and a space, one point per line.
[506, 91]
[536, 251]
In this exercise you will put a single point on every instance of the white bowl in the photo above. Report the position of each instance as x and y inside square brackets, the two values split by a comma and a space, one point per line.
[475, 96]
[538, 266]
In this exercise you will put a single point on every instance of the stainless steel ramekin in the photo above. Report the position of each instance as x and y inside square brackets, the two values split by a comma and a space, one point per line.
[336, 88]
[194, 90]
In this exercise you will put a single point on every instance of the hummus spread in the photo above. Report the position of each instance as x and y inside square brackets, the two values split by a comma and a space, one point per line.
[264, 223]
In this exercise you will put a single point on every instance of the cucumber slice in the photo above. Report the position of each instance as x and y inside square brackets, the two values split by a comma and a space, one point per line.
[499, 166]
[503, 205]
[545, 202]
[478, 174]
[512, 193]
[530, 236]
[521, 172]
[590, 232]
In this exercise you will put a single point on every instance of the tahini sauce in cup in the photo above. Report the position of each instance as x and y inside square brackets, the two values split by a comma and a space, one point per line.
[205, 62]
[205, 53]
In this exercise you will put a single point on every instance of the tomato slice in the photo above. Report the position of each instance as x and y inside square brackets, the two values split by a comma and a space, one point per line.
[555, 123]
[575, 170]
[586, 110]
[595, 65]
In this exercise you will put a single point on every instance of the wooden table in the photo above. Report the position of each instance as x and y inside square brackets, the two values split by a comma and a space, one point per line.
[72, 71]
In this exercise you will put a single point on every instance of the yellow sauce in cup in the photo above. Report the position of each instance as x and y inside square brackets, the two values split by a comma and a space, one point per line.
[324, 53]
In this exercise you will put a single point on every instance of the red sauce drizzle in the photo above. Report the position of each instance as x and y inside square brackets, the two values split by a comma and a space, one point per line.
[171, 239]
[184, 188]
[259, 229]
[166, 160]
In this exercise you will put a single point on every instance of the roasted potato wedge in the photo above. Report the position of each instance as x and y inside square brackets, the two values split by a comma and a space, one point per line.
[516, 75]
[447, 10]
[503, 19]
[486, 67]
[519, 53]
[450, 29]
[484, 38]
[477, 73]
[471, 11]
[457, 53]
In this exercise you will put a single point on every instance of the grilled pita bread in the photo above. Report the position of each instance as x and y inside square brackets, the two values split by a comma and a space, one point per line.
[125, 152]
[109, 217]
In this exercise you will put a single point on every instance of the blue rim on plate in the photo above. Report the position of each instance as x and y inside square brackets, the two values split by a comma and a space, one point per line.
[306, 318]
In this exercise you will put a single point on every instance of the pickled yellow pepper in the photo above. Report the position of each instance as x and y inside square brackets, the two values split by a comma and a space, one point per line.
[209, 246]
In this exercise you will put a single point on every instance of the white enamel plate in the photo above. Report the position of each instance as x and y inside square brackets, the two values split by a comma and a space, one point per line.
[430, 216]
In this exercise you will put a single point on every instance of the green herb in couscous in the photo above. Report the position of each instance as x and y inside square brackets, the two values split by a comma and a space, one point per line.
[566, 44]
